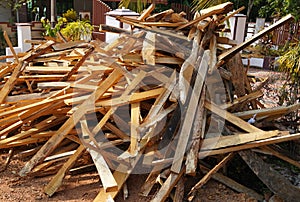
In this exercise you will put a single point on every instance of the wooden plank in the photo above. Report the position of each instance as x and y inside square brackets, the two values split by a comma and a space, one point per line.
[147, 12]
[167, 187]
[219, 9]
[191, 161]
[148, 49]
[60, 134]
[132, 86]
[240, 100]
[10, 83]
[134, 124]
[108, 181]
[187, 68]
[228, 54]
[190, 113]
[209, 174]
[56, 181]
[135, 97]
[231, 118]
[268, 112]
[10, 46]
[238, 139]
[259, 143]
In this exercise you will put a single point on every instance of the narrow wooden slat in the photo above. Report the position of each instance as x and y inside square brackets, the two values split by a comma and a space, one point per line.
[108, 181]
[56, 181]
[259, 143]
[69, 124]
[231, 118]
[190, 113]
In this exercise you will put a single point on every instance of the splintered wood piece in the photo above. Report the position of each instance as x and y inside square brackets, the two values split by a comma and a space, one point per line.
[162, 24]
[233, 184]
[10, 46]
[245, 98]
[108, 181]
[134, 124]
[157, 16]
[56, 181]
[167, 187]
[190, 114]
[250, 145]
[9, 85]
[60, 134]
[135, 97]
[219, 9]
[236, 67]
[231, 118]
[228, 54]
[187, 68]
[208, 175]
[78, 64]
[7, 69]
[121, 174]
[148, 49]
[233, 140]
[160, 100]
[213, 54]
[198, 132]
[277, 183]
[268, 112]
[109, 28]
[232, 14]
[132, 86]
[146, 13]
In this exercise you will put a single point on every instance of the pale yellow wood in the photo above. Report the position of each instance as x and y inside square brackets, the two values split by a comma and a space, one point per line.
[134, 124]
[53, 142]
[167, 187]
[259, 143]
[108, 181]
[147, 12]
[233, 140]
[231, 118]
[126, 99]
[148, 49]
[56, 181]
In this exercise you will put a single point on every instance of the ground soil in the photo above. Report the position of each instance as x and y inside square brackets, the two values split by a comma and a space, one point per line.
[84, 187]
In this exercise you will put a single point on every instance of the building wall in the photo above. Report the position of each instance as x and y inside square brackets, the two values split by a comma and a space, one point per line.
[5, 15]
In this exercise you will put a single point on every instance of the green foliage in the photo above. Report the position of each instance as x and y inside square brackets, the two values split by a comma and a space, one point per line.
[51, 31]
[12, 4]
[289, 62]
[79, 30]
[280, 8]
[137, 6]
[70, 15]
[201, 4]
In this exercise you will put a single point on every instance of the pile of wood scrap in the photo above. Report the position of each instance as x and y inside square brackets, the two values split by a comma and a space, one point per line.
[156, 100]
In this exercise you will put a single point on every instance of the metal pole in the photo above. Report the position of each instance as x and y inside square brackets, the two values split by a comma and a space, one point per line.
[52, 8]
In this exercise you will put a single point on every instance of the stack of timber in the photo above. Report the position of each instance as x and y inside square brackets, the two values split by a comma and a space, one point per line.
[156, 100]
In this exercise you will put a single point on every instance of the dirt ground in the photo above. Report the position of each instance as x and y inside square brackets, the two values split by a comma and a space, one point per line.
[84, 187]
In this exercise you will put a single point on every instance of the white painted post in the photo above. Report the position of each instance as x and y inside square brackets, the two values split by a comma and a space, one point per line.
[238, 27]
[24, 33]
